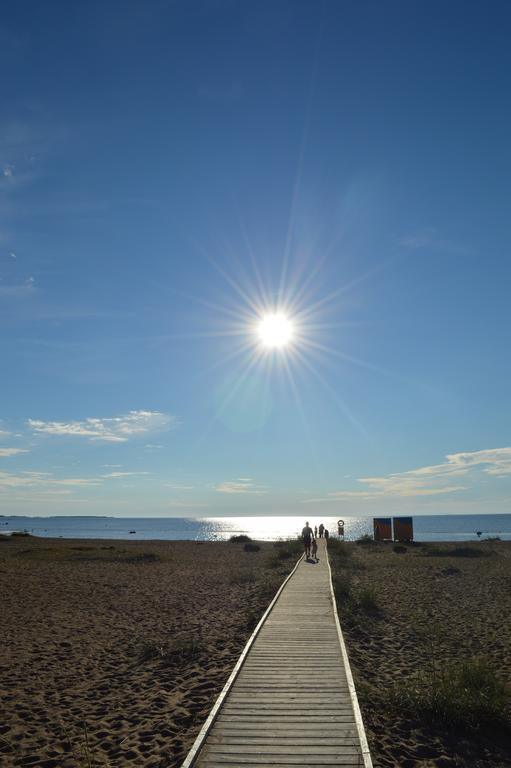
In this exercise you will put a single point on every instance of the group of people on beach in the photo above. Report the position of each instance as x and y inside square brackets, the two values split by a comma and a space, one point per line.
[309, 538]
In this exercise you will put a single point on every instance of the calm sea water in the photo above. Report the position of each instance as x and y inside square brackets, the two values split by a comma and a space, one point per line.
[426, 528]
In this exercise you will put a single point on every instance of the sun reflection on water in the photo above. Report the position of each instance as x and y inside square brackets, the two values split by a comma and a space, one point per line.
[285, 527]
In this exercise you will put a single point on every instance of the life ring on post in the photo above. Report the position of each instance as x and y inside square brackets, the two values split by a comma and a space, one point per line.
[340, 527]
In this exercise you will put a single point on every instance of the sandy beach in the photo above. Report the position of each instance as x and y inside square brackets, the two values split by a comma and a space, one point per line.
[113, 652]
[408, 616]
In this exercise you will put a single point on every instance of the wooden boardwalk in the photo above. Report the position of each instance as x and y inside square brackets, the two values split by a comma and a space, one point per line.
[290, 701]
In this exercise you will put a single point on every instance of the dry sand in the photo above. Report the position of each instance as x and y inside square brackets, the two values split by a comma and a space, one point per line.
[430, 606]
[112, 653]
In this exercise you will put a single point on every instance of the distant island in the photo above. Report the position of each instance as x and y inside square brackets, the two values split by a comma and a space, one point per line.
[60, 517]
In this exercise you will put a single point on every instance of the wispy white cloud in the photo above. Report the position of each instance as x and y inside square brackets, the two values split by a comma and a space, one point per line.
[4, 434]
[4, 452]
[497, 460]
[432, 480]
[179, 504]
[431, 239]
[18, 290]
[48, 482]
[44, 497]
[116, 429]
[177, 487]
[43, 480]
[76, 482]
[241, 485]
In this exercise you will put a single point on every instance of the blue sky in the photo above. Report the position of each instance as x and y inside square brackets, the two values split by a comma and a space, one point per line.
[170, 172]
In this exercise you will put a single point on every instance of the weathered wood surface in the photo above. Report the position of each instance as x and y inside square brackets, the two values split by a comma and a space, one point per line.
[292, 702]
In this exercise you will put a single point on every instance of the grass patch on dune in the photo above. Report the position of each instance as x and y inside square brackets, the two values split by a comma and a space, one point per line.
[269, 585]
[342, 587]
[81, 749]
[355, 603]
[434, 551]
[470, 695]
[340, 553]
[368, 600]
[467, 552]
[84, 554]
[240, 539]
[285, 550]
[252, 618]
[243, 577]
[177, 651]
[139, 557]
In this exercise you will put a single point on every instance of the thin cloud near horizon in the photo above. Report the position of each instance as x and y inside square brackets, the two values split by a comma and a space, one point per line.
[241, 485]
[115, 429]
[429, 480]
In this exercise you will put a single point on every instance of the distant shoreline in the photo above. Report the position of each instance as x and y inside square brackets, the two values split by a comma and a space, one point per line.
[461, 528]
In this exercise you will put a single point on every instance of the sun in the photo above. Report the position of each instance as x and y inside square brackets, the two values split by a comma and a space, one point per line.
[275, 330]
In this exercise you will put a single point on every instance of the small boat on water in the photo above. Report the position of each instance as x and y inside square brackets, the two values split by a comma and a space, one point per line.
[132, 531]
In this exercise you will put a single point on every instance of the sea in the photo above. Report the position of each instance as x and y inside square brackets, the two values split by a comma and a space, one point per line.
[267, 528]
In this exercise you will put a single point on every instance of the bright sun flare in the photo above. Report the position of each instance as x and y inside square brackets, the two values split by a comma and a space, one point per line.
[275, 330]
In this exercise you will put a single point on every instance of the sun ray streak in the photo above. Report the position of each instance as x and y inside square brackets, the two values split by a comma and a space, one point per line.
[240, 314]
[333, 295]
[230, 280]
[259, 279]
[245, 348]
[203, 335]
[251, 363]
[303, 416]
[299, 295]
[342, 405]
[351, 359]
[299, 169]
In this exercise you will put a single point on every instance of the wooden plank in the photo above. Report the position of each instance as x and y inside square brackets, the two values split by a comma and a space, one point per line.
[248, 716]
[309, 759]
[276, 737]
[277, 749]
[289, 728]
[289, 739]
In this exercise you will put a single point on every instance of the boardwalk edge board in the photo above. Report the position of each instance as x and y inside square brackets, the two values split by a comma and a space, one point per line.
[201, 738]
[364, 746]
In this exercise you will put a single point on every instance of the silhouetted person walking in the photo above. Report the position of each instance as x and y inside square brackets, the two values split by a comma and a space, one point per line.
[307, 538]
